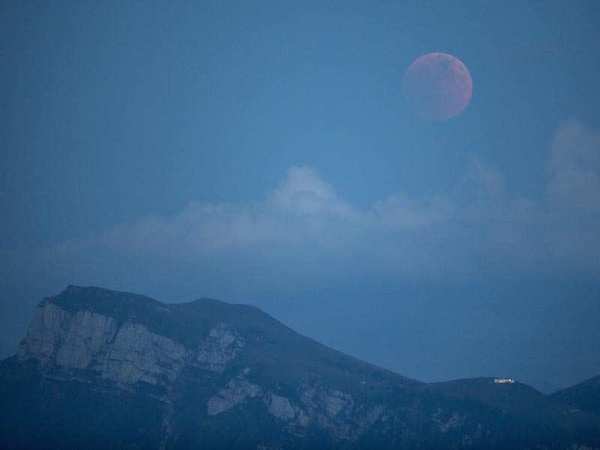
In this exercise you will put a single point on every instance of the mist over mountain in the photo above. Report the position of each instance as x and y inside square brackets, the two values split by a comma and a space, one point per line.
[107, 369]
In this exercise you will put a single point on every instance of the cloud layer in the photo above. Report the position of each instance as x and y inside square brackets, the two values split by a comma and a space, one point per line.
[303, 233]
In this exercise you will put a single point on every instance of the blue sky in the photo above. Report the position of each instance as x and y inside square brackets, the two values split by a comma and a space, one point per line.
[262, 152]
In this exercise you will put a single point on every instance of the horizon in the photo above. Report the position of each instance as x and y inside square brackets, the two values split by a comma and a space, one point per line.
[74, 290]
[499, 378]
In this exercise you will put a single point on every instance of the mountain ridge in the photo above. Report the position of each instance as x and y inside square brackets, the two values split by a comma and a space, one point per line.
[219, 375]
[584, 396]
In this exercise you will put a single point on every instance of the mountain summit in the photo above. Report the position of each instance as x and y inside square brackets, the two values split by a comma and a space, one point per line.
[107, 369]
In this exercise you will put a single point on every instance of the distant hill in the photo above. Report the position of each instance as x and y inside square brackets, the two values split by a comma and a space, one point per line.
[583, 396]
[106, 369]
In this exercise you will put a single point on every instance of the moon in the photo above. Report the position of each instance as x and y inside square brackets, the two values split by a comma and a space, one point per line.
[438, 86]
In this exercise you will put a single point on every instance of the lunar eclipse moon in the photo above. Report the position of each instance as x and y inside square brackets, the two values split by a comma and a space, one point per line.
[438, 86]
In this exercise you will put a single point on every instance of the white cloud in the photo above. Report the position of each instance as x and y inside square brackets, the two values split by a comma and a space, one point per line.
[399, 212]
[574, 167]
[303, 192]
[304, 231]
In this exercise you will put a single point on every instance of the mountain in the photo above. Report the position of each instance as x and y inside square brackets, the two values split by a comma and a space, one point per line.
[583, 396]
[107, 369]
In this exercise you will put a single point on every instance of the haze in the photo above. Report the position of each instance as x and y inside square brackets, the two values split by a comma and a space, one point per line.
[262, 152]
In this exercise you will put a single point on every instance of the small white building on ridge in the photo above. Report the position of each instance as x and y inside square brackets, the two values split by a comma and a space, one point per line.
[504, 380]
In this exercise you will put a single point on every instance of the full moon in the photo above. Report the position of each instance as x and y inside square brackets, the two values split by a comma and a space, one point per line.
[438, 86]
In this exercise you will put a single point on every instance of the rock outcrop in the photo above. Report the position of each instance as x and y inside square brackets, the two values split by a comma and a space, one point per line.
[125, 353]
[221, 346]
[235, 392]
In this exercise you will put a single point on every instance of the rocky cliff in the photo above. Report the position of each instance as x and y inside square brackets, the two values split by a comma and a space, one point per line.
[105, 369]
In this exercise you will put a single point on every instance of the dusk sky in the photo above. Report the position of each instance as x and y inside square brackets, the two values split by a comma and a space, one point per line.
[263, 152]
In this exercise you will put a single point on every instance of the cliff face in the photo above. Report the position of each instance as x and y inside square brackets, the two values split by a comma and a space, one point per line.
[95, 342]
[123, 352]
[101, 369]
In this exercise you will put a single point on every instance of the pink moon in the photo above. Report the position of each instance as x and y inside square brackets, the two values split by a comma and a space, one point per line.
[438, 86]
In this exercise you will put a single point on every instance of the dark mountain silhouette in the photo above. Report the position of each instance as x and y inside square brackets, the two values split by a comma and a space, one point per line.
[106, 369]
[583, 396]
